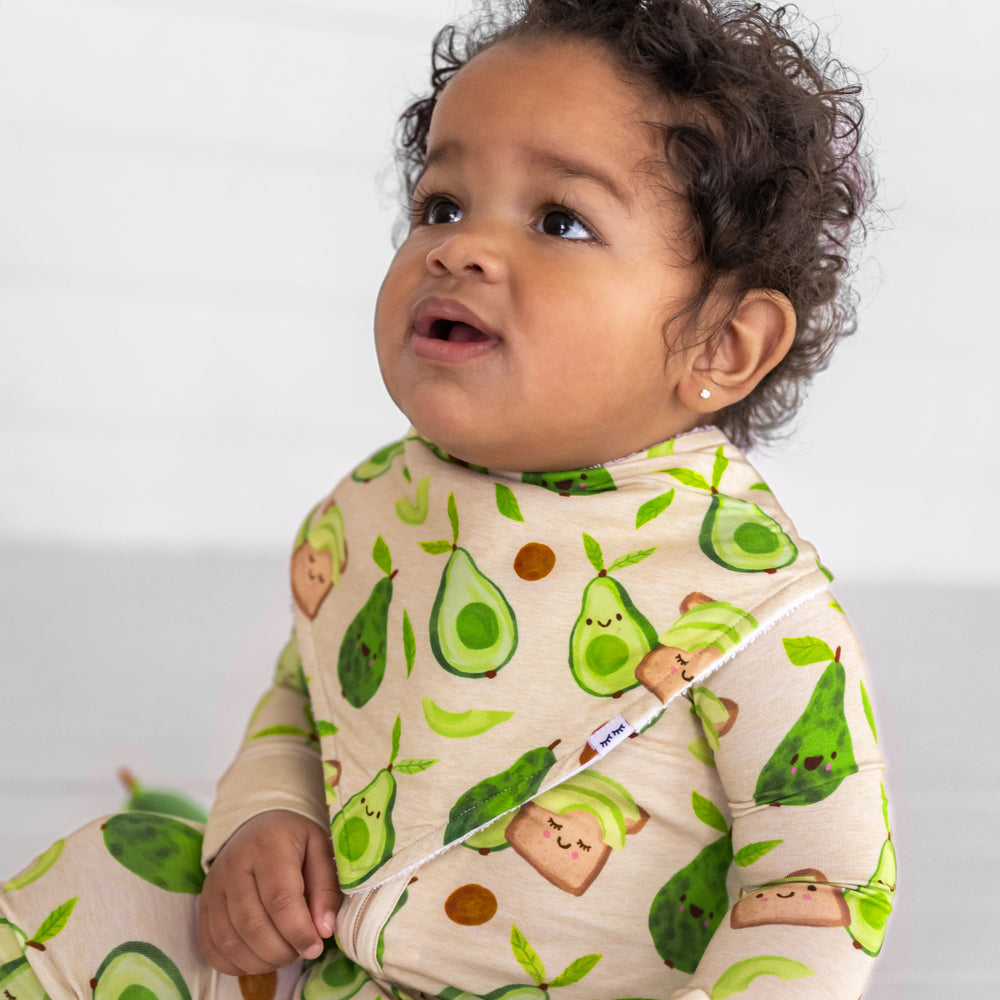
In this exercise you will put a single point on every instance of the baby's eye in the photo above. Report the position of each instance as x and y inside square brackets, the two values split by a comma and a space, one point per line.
[564, 224]
[435, 211]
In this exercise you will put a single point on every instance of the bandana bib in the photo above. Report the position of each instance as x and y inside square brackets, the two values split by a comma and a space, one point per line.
[474, 639]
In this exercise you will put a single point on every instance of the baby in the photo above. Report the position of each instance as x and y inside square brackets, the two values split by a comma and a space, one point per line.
[568, 704]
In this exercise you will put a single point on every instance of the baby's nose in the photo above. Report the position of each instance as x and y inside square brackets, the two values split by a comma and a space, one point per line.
[468, 252]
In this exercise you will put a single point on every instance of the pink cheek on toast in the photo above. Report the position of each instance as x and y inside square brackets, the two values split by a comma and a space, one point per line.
[575, 855]
[546, 834]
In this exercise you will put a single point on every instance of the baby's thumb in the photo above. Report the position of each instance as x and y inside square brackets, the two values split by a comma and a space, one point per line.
[322, 887]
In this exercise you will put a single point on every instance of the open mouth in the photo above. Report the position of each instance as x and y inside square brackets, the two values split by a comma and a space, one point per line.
[456, 333]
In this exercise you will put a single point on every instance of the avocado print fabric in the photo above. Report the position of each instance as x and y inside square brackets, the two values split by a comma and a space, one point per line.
[602, 732]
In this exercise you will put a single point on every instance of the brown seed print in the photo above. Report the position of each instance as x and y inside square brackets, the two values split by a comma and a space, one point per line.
[259, 986]
[534, 561]
[471, 905]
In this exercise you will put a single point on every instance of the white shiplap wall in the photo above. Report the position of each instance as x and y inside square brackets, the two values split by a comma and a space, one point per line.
[192, 237]
[192, 233]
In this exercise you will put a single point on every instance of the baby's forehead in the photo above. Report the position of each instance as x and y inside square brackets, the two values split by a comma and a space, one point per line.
[561, 107]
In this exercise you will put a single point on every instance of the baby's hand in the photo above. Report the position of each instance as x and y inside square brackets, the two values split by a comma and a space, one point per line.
[270, 895]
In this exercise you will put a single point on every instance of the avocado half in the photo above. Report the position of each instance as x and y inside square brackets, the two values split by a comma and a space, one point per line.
[137, 970]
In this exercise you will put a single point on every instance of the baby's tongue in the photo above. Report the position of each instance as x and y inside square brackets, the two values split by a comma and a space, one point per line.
[462, 333]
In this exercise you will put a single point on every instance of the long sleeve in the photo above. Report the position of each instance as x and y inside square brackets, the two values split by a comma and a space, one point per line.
[795, 743]
[278, 765]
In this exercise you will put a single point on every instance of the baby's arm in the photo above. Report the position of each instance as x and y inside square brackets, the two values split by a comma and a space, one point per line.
[803, 776]
[271, 891]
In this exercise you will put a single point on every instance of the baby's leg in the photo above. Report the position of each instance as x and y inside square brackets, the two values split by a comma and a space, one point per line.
[112, 910]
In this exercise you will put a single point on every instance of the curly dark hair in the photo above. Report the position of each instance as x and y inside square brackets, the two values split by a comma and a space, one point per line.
[763, 144]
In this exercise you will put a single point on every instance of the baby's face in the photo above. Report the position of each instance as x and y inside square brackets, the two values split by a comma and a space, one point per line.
[521, 323]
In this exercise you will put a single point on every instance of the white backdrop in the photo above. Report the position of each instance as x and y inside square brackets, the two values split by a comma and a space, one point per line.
[192, 232]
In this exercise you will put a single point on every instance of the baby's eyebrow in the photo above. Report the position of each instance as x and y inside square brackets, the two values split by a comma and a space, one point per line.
[569, 168]
[542, 159]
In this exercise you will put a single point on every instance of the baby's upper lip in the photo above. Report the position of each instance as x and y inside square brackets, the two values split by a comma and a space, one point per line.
[434, 308]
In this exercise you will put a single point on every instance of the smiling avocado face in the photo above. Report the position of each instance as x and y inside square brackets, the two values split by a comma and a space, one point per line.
[687, 911]
[361, 661]
[609, 639]
[362, 832]
[817, 752]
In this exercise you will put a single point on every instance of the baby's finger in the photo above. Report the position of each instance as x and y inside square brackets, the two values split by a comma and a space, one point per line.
[251, 939]
[322, 888]
[222, 945]
[282, 894]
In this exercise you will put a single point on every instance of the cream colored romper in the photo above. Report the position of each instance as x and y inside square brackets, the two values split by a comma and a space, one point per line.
[596, 734]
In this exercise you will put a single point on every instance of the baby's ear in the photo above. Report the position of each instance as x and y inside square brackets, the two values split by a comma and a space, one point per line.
[733, 362]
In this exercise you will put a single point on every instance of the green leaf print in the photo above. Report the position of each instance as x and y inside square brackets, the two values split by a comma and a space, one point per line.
[869, 714]
[324, 728]
[414, 765]
[575, 971]
[807, 650]
[594, 554]
[761, 486]
[526, 956]
[380, 553]
[719, 467]
[690, 478]
[54, 922]
[653, 508]
[453, 517]
[507, 503]
[409, 643]
[631, 559]
[659, 450]
[708, 813]
[397, 733]
[751, 853]
[437, 548]
[701, 751]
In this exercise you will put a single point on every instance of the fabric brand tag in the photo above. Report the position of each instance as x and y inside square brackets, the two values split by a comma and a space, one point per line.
[610, 735]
